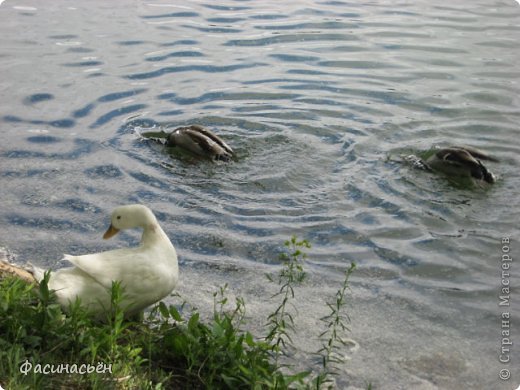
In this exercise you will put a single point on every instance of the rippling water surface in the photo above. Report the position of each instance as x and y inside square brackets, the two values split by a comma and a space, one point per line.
[319, 99]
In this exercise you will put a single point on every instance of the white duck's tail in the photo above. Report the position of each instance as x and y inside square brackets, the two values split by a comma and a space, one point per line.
[39, 273]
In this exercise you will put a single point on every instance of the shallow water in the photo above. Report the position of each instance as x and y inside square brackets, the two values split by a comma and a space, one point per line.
[319, 99]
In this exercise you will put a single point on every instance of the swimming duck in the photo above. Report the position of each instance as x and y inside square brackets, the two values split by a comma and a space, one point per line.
[461, 161]
[199, 140]
[147, 273]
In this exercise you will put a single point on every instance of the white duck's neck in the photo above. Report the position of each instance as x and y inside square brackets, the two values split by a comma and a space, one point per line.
[152, 233]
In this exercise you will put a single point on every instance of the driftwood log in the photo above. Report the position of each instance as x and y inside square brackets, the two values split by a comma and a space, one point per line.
[10, 269]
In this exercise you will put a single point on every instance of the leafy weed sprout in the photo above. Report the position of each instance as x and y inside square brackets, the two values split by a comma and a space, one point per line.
[281, 321]
[336, 322]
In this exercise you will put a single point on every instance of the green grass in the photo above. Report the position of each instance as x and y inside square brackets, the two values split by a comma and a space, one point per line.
[172, 348]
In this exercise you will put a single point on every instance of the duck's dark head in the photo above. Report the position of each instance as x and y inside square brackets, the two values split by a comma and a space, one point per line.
[482, 173]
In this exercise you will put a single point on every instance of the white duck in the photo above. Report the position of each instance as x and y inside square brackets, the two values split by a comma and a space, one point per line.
[147, 273]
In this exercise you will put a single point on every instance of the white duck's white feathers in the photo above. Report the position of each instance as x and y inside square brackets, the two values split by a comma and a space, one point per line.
[147, 273]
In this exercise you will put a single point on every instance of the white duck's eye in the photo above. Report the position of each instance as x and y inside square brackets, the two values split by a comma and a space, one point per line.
[118, 217]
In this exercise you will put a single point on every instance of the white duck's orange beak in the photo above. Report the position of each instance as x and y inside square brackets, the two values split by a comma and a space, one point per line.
[111, 232]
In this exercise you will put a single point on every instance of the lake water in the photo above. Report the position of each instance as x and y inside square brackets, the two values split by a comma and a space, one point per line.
[319, 99]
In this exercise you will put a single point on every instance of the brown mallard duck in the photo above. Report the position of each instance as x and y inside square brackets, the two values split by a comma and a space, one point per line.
[201, 141]
[461, 161]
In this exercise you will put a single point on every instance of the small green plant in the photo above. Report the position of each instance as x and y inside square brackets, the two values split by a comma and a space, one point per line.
[281, 321]
[336, 324]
